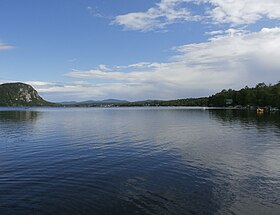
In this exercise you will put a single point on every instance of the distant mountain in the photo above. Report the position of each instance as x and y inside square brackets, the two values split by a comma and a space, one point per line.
[113, 101]
[20, 94]
[68, 103]
[95, 102]
[86, 102]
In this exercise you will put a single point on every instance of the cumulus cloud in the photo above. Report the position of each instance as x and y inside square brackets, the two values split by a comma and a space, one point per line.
[162, 14]
[166, 12]
[232, 60]
[240, 12]
[82, 90]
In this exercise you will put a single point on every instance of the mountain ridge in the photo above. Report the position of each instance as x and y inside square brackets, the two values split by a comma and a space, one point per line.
[95, 101]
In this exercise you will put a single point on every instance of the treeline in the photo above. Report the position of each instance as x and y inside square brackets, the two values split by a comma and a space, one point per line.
[177, 102]
[260, 96]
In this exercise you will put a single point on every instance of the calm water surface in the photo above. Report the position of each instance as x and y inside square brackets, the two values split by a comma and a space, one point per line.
[138, 161]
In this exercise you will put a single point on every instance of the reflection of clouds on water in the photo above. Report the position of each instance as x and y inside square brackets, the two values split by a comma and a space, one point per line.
[137, 150]
[154, 160]
[235, 149]
[249, 158]
[231, 149]
[271, 160]
[254, 139]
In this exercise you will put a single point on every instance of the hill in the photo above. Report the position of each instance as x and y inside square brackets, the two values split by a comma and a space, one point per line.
[112, 101]
[259, 96]
[20, 94]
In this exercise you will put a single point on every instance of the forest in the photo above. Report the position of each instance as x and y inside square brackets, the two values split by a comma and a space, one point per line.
[259, 96]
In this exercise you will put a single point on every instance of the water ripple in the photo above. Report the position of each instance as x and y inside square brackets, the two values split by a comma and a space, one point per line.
[138, 161]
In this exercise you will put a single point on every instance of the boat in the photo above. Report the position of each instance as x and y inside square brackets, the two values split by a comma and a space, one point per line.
[260, 110]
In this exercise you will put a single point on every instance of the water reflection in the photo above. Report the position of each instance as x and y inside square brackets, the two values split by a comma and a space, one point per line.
[138, 161]
[246, 117]
[19, 116]
[249, 156]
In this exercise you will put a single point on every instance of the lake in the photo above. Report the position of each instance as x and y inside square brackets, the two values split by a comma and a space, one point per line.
[138, 161]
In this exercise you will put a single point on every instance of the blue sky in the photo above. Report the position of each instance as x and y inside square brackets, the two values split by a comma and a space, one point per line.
[138, 49]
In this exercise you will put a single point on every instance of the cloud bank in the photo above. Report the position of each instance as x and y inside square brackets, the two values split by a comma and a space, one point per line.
[230, 60]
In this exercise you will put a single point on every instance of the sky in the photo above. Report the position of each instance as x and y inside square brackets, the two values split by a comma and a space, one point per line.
[138, 49]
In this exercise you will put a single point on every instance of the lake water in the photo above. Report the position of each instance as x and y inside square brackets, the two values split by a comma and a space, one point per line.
[138, 161]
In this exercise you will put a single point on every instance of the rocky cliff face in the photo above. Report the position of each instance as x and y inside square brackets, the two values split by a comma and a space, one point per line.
[20, 94]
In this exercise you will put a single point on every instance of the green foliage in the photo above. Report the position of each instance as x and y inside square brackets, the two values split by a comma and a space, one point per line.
[178, 102]
[20, 94]
[261, 95]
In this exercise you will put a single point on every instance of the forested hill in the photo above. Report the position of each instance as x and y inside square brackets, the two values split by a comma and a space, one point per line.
[20, 94]
[262, 95]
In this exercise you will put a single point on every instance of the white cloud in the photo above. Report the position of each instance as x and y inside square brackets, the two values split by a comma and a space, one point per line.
[103, 67]
[233, 12]
[5, 46]
[232, 60]
[163, 13]
[240, 12]
[140, 65]
[229, 60]
[230, 32]
[81, 91]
